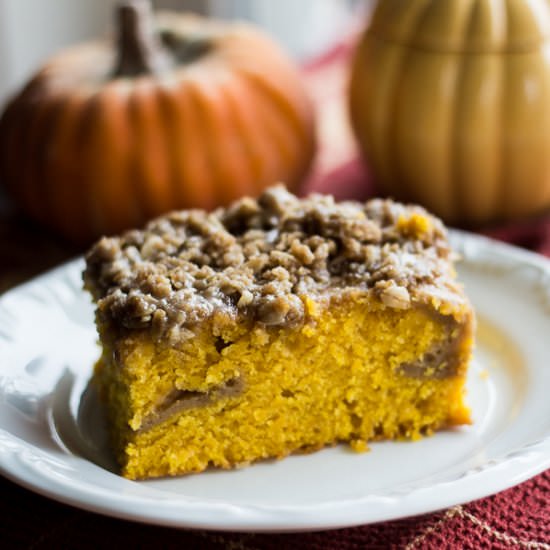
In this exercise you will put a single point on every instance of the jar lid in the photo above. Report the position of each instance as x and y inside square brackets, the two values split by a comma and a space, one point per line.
[476, 26]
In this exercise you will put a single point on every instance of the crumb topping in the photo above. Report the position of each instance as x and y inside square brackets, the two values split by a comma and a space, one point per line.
[260, 258]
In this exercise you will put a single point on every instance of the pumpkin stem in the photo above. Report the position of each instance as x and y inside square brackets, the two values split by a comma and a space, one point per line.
[139, 51]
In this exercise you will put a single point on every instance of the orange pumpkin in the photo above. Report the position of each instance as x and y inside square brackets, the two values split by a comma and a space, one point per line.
[184, 112]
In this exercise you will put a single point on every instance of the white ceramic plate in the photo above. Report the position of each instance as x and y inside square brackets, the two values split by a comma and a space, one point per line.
[52, 438]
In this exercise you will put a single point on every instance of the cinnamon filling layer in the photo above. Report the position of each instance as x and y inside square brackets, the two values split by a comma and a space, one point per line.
[442, 360]
[180, 400]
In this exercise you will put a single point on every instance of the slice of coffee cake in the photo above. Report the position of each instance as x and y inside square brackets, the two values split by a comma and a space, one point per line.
[277, 325]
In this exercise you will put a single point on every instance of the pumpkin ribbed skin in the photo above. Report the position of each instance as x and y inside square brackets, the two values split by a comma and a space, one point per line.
[450, 102]
[87, 154]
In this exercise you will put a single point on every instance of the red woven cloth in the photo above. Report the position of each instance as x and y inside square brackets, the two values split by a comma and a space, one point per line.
[516, 518]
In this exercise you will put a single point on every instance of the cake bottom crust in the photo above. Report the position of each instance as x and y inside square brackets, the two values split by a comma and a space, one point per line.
[354, 373]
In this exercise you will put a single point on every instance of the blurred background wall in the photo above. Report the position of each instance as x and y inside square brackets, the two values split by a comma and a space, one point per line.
[31, 30]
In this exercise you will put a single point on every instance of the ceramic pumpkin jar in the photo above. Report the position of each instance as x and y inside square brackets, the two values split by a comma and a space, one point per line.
[450, 102]
[181, 112]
